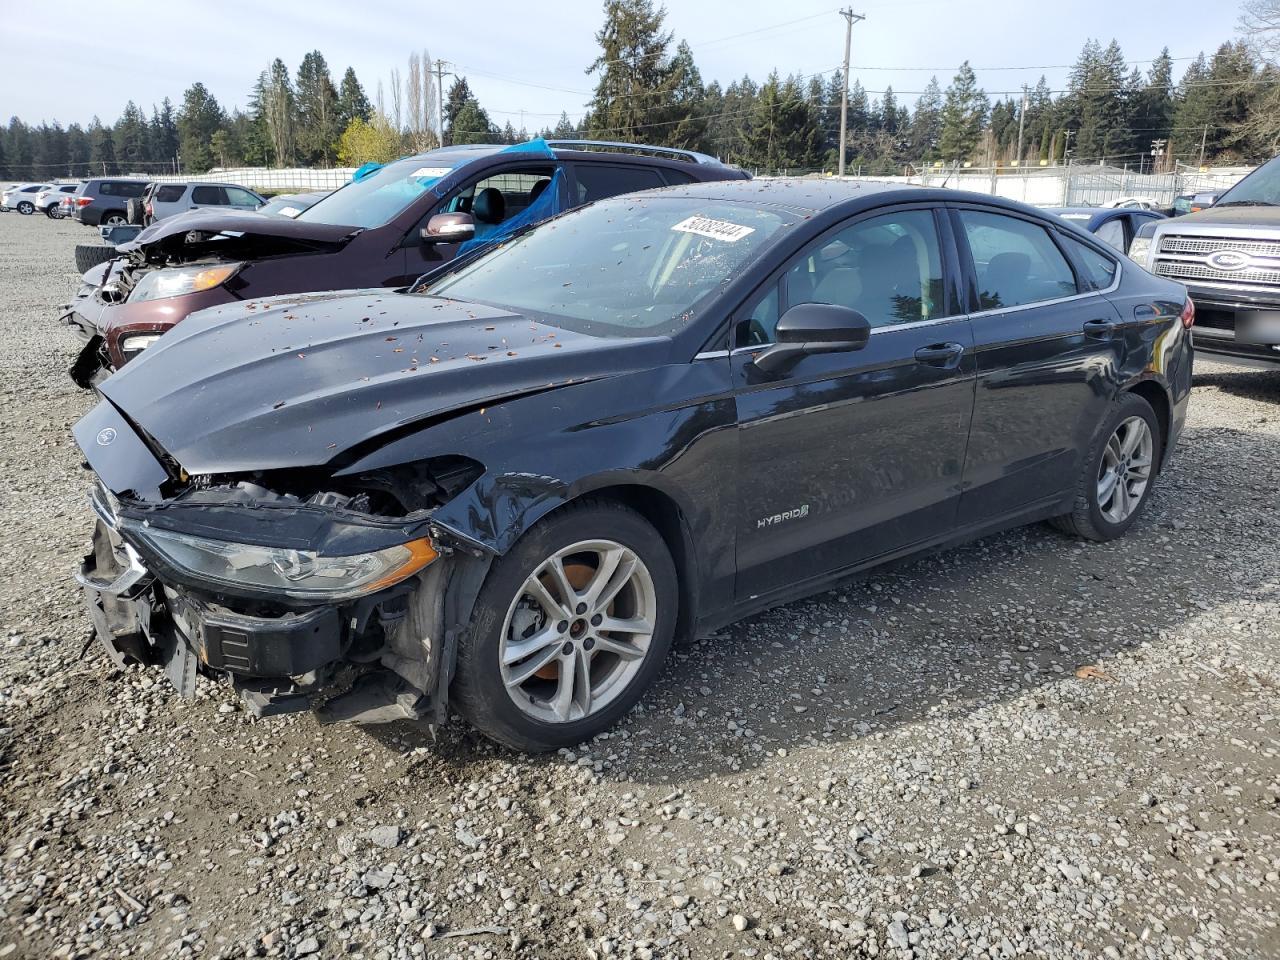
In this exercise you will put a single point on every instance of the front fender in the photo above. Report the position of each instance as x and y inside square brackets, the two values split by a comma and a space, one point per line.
[669, 429]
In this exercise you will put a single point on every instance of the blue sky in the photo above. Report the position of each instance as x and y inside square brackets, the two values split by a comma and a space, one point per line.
[531, 57]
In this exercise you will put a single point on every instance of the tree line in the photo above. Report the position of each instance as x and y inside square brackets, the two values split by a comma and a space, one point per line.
[1224, 108]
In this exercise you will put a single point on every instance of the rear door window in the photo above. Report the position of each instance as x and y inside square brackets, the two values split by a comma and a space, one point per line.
[241, 197]
[599, 180]
[170, 192]
[208, 196]
[1015, 261]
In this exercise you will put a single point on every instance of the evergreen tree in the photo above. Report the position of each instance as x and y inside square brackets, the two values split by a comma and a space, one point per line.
[963, 115]
[278, 104]
[352, 101]
[317, 111]
[926, 123]
[458, 97]
[471, 124]
[198, 119]
[77, 149]
[683, 122]
[163, 134]
[102, 150]
[131, 138]
[1193, 113]
[637, 79]
[19, 148]
[564, 129]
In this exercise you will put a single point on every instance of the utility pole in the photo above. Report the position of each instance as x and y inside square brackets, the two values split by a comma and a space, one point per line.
[440, 64]
[849, 18]
[1204, 137]
[1157, 154]
[1022, 116]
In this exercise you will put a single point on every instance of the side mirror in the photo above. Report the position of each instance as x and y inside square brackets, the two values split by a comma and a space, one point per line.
[813, 328]
[448, 228]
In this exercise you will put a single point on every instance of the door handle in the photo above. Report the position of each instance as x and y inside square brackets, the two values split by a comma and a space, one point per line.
[945, 355]
[1102, 329]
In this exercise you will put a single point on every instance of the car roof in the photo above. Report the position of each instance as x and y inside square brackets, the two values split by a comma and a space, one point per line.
[579, 150]
[809, 196]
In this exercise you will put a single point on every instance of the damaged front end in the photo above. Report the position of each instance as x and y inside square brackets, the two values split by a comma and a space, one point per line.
[340, 597]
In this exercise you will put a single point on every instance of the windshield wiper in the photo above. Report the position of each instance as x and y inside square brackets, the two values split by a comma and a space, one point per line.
[1248, 203]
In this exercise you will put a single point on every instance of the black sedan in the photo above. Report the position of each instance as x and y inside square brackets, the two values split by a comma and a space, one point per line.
[510, 488]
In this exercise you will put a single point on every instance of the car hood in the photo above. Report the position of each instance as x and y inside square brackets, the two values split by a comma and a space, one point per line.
[1263, 216]
[239, 230]
[269, 386]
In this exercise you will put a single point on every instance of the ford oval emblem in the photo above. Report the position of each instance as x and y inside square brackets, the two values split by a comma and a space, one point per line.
[106, 436]
[1229, 260]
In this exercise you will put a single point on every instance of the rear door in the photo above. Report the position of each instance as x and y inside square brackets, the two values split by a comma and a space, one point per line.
[1047, 350]
[207, 195]
[855, 455]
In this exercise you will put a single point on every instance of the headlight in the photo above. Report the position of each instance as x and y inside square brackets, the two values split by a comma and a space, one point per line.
[299, 574]
[138, 343]
[1140, 250]
[176, 281]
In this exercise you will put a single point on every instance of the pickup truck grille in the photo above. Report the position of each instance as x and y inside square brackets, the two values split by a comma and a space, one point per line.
[1189, 258]
[1183, 270]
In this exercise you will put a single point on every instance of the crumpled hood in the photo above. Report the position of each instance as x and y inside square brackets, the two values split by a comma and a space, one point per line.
[252, 387]
[171, 231]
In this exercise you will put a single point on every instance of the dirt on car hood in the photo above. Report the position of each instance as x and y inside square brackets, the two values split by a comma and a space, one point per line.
[189, 235]
[248, 387]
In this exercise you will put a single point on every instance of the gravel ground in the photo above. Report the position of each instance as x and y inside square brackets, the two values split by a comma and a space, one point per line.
[910, 766]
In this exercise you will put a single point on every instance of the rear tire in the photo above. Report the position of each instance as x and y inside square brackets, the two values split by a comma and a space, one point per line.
[53, 212]
[1115, 481]
[89, 255]
[26, 208]
[114, 218]
[565, 638]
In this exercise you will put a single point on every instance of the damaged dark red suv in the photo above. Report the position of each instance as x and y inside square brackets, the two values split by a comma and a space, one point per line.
[377, 231]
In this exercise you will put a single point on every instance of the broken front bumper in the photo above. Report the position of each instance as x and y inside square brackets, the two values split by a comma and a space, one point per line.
[352, 662]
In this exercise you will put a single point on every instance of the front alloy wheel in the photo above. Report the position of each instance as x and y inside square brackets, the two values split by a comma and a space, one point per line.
[570, 627]
[1125, 470]
[577, 633]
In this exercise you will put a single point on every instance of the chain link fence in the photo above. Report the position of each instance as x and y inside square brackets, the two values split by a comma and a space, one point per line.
[270, 180]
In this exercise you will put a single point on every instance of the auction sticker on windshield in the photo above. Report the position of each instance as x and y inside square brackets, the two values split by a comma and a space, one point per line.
[715, 229]
[432, 172]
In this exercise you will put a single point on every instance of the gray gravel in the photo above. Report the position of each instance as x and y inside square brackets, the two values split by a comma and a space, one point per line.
[905, 767]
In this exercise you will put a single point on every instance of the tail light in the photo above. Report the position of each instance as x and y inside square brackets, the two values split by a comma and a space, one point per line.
[1188, 316]
[150, 209]
[83, 202]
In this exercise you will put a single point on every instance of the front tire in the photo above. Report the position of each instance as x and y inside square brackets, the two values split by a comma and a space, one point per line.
[1122, 464]
[570, 628]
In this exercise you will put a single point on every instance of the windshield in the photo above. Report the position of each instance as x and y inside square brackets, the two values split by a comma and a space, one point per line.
[379, 197]
[629, 267]
[1261, 187]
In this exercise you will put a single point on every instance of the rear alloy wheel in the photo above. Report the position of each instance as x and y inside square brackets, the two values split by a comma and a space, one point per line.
[53, 212]
[115, 219]
[571, 627]
[1125, 470]
[1118, 472]
[26, 208]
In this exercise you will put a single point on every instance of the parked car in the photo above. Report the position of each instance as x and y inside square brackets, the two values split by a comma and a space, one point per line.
[1116, 226]
[1133, 203]
[22, 197]
[374, 232]
[511, 487]
[104, 200]
[291, 204]
[1228, 255]
[165, 200]
[49, 201]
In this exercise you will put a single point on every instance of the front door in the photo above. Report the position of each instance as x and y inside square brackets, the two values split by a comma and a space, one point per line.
[854, 455]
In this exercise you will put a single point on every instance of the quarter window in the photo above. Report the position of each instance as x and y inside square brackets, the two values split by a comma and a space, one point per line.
[1016, 261]
[240, 197]
[1099, 269]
